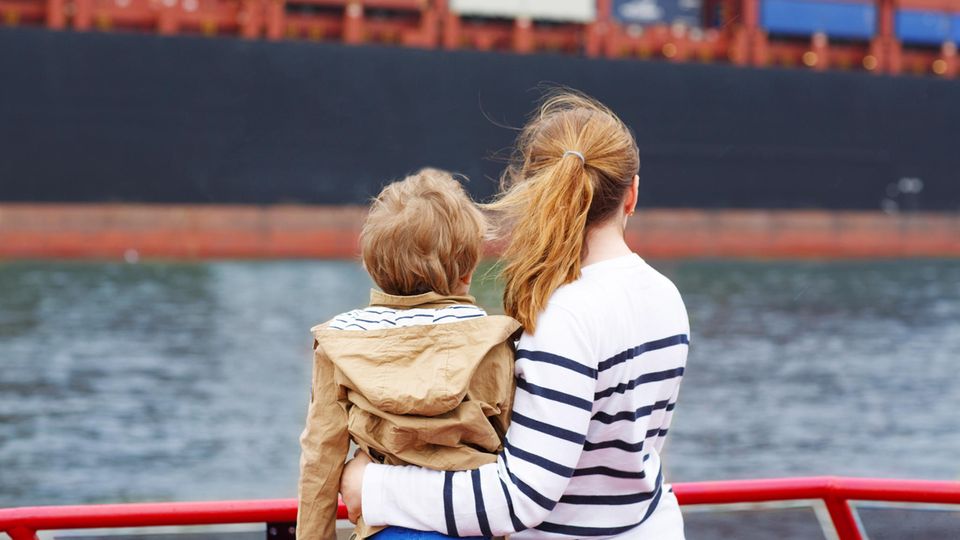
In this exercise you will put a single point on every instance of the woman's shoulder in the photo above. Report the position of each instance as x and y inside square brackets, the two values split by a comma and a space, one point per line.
[600, 282]
[577, 296]
[614, 291]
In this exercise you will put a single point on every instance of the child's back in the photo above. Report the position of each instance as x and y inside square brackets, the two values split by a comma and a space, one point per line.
[419, 377]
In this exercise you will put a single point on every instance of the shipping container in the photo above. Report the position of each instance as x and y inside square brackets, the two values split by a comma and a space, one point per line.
[843, 20]
[213, 17]
[412, 23]
[150, 15]
[15, 12]
[915, 27]
[582, 11]
[651, 12]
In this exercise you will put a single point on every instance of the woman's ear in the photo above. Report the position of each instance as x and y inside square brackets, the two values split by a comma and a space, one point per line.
[633, 195]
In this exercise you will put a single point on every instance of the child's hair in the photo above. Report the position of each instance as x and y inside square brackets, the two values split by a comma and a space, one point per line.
[422, 234]
[572, 165]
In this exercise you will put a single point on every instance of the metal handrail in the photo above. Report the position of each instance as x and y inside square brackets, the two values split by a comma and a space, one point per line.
[836, 492]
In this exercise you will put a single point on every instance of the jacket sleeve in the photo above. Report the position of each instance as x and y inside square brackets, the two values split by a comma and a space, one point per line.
[556, 373]
[324, 444]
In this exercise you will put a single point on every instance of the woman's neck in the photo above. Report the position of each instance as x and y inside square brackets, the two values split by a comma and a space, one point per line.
[605, 241]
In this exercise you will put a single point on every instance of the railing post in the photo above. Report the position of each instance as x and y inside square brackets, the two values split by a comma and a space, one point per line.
[843, 519]
[22, 533]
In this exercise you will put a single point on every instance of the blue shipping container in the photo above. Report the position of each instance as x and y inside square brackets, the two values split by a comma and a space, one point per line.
[923, 27]
[956, 29]
[847, 20]
[646, 12]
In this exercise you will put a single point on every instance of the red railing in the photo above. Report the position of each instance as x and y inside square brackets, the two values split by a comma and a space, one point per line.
[835, 492]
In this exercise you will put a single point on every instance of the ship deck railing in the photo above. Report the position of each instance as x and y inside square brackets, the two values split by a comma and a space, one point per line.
[835, 493]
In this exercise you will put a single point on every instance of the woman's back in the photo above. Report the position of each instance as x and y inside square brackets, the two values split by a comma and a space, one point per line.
[598, 366]
[636, 334]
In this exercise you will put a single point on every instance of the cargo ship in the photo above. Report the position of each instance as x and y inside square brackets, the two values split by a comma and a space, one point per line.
[260, 128]
[252, 128]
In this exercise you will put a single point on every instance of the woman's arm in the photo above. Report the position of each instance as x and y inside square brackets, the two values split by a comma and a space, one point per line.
[556, 380]
[324, 444]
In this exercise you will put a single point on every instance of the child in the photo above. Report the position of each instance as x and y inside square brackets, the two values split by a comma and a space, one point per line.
[423, 376]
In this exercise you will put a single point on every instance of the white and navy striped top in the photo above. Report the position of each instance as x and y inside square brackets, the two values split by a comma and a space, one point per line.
[596, 389]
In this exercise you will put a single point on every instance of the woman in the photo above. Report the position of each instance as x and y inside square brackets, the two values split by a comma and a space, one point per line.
[598, 366]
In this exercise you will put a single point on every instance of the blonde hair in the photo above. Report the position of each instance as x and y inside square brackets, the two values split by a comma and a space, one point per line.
[573, 163]
[422, 234]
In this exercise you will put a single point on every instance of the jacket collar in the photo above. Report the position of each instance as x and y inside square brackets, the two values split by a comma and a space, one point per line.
[429, 299]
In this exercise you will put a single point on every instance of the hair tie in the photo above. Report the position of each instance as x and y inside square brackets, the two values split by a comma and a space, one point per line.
[574, 153]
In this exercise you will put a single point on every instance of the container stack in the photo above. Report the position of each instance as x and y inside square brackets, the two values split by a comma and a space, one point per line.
[409, 23]
[522, 26]
[27, 12]
[818, 33]
[675, 30]
[927, 33]
[880, 36]
[169, 17]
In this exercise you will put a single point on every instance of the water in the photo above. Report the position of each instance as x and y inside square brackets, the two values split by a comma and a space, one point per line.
[165, 381]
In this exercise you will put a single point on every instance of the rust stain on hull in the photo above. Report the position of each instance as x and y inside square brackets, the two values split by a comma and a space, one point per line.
[115, 231]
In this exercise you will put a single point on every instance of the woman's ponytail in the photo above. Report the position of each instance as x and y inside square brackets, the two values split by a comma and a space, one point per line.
[558, 185]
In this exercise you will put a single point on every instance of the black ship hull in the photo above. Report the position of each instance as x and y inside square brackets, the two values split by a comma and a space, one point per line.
[94, 117]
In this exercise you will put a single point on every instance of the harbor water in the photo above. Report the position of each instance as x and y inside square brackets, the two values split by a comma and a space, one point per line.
[189, 381]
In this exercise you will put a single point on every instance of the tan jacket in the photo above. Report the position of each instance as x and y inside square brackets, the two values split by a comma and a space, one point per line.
[436, 395]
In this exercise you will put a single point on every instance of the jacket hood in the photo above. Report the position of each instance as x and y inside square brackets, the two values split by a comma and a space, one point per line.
[443, 357]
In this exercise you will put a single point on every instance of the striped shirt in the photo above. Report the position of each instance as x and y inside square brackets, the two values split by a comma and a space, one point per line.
[380, 318]
[596, 389]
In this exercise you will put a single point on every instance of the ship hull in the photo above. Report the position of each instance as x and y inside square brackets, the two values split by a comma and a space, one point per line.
[97, 117]
[115, 144]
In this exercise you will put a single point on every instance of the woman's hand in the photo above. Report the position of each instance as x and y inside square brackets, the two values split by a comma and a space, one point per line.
[351, 484]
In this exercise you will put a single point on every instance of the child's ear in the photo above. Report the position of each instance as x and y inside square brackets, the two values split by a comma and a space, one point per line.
[464, 287]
